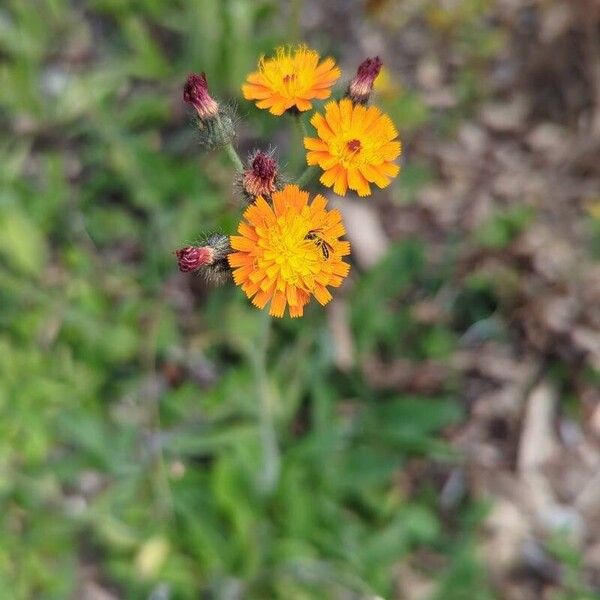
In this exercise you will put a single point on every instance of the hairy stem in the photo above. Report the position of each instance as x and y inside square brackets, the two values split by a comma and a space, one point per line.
[306, 177]
[234, 157]
[302, 125]
[309, 172]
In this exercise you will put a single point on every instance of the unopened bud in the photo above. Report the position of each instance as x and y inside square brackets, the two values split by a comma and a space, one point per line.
[195, 92]
[191, 258]
[210, 260]
[260, 178]
[216, 123]
[361, 86]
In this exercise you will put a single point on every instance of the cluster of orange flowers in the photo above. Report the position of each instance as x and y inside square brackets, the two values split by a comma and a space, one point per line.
[288, 248]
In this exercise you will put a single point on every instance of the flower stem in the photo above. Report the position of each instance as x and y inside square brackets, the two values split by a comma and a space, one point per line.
[309, 172]
[234, 157]
[306, 176]
[302, 125]
[271, 458]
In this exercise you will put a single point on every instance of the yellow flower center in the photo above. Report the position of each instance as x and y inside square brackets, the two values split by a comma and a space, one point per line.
[290, 74]
[349, 152]
[290, 85]
[288, 251]
[295, 255]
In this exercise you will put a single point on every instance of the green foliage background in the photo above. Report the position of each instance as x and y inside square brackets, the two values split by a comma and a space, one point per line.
[119, 464]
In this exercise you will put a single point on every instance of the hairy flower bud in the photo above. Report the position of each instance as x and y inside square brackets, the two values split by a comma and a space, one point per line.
[261, 176]
[191, 258]
[216, 123]
[195, 92]
[361, 86]
[210, 260]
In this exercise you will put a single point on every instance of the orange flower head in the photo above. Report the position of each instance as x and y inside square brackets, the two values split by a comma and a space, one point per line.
[356, 146]
[288, 252]
[291, 79]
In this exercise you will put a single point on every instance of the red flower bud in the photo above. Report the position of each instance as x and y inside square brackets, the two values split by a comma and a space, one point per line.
[260, 177]
[191, 258]
[195, 92]
[361, 86]
[210, 260]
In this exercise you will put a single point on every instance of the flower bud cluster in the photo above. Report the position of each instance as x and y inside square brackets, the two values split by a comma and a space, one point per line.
[289, 247]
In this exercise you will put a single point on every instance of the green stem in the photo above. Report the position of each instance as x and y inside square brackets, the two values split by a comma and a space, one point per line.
[271, 457]
[306, 177]
[163, 495]
[309, 172]
[302, 125]
[234, 157]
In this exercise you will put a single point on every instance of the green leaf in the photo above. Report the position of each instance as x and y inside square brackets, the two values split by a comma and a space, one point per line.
[22, 243]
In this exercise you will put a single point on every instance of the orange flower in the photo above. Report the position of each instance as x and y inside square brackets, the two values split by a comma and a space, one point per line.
[356, 146]
[288, 252]
[291, 80]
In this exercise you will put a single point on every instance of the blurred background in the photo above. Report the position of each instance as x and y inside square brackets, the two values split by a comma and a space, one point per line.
[433, 434]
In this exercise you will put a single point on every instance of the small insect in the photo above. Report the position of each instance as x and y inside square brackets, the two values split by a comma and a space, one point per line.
[326, 247]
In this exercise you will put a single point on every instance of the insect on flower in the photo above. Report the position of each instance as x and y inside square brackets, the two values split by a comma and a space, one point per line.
[314, 235]
[288, 246]
[289, 251]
